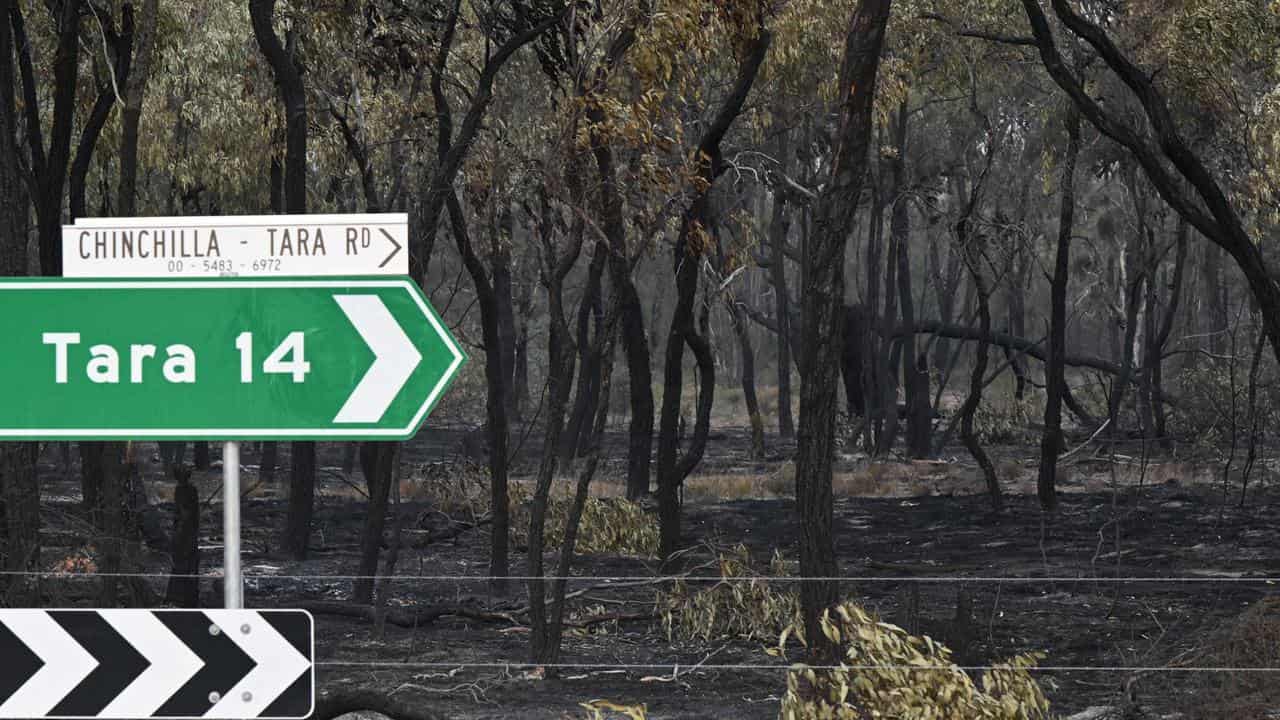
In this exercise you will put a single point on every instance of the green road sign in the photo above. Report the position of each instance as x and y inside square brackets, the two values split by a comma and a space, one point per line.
[227, 358]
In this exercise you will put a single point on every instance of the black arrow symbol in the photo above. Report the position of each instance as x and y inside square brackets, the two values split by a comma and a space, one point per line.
[296, 628]
[119, 664]
[19, 663]
[225, 664]
[393, 252]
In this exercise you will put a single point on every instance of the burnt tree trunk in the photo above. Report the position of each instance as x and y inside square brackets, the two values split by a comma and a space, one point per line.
[822, 321]
[560, 365]
[693, 242]
[779, 229]
[1051, 444]
[496, 403]
[131, 114]
[1155, 348]
[185, 591]
[50, 169]
[377, 461]
[915, 373]
[293, 97]
[584, 402]
[635, 342]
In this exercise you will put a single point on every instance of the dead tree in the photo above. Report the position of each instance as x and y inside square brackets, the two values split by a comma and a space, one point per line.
[822, 317]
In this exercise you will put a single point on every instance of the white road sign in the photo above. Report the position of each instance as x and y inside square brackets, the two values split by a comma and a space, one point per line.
[247, 245]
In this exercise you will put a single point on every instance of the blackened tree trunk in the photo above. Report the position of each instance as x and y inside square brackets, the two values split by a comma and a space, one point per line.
[560, 365]
[496, 379]
[112, 518]
[504, 299]
[302, 483]
[692, 243]
[635, 341]
[50, 169]
[185, 591]
[1051, 444]
[635, 346]
[590, 312]
[377, 461]
[120, 58]
[915, 374]
[741, 330]
[200, 454]
[822, 319]
[19, 490]
[1016, 316]
[779, 229]
[293, 96]
[131, 117]
[1155, 348]
[968, 434]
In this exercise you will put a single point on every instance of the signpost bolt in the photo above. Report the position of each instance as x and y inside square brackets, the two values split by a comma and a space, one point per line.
[214, 630]
[214, 697]
[246, 696]
[244, 629]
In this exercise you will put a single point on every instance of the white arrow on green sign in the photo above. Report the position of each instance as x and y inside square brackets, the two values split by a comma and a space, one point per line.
[334, 358]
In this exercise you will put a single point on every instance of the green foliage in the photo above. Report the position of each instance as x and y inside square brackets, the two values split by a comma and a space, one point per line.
[885, 672]
[732, 608]
[608, 525]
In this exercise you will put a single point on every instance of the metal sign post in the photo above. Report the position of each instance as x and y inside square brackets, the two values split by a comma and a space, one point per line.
[232, 579]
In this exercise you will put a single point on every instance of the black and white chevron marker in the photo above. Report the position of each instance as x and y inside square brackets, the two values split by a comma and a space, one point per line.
[156, 664]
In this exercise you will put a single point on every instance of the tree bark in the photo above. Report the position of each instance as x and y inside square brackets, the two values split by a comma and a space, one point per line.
[692, 243]
[377, 461]
[293, 97]
[131, 118]
[588, 382]
[51, 167]
[779, 229]
[185, 591]
[1051, 443]
[496, 404]
[915, 372]
[822, 319]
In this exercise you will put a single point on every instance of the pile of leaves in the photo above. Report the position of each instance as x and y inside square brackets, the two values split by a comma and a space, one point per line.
[885, 672]
[742, 605]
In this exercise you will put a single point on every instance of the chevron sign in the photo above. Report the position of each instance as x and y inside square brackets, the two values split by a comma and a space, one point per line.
[156, 664]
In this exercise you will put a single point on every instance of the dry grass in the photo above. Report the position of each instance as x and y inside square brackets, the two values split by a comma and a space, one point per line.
[1250, 641]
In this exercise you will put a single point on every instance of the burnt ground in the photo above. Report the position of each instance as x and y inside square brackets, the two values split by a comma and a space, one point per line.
[920, 550]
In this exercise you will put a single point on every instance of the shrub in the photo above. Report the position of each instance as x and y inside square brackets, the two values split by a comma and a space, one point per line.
[730, 608]
[608, 525]
[1001, 421]
[456, 488]
[885, 672]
